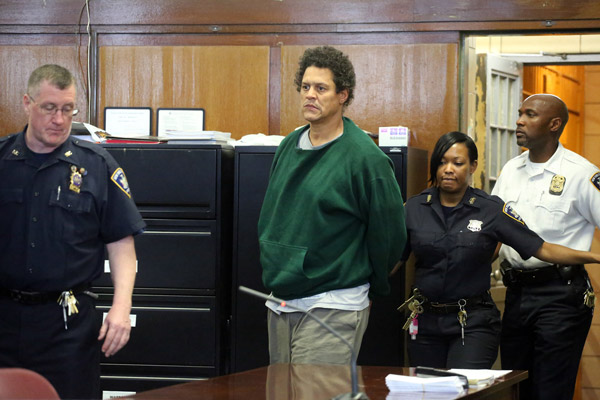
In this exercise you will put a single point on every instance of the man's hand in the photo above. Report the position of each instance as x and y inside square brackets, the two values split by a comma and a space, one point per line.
[116, 327]
[115, 330]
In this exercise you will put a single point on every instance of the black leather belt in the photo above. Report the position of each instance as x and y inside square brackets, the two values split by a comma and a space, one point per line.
[25, 297]
[454, 307]
[533, 276]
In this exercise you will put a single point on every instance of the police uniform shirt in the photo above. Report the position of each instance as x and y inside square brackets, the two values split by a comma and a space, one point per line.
[57, 212]
[453, 256]
[559, 201]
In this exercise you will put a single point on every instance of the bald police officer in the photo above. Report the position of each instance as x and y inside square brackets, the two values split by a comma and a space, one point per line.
[548, 307]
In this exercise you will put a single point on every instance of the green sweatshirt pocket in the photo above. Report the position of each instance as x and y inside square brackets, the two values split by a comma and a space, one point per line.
[283, 266]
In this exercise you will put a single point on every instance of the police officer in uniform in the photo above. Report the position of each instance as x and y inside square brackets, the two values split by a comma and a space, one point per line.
[61, 202]
[453, 232]
[548, 306]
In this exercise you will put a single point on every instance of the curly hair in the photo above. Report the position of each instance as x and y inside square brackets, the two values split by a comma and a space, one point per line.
[337, 62]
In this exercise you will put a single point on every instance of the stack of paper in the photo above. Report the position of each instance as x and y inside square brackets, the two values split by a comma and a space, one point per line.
[444, 384]
[194, 136]
[480, 377]
[422, 396]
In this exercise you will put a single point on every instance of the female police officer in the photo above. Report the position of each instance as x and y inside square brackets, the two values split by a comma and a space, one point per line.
[453, 231]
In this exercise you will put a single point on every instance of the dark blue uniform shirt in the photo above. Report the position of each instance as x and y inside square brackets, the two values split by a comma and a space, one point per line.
[52, 237]
[453, 255]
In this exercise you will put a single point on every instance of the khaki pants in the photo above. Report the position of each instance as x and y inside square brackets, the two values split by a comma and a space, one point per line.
[296, 338]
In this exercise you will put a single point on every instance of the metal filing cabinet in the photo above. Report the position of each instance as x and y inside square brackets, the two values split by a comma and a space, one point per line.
[383, 341]
[180, 302]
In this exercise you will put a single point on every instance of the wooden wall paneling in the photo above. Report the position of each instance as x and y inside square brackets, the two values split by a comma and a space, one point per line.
[571, 91]
[412, 85]
[530, 76]
[337, 37]
[18, 62]
[440, 10]
[567, 82]
[229, 82]
[310, 12]
[569, 86]
[275, 91]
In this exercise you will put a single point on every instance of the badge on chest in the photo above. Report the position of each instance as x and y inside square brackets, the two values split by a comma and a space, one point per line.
[76, 179]
[474, 225]
[557, 185]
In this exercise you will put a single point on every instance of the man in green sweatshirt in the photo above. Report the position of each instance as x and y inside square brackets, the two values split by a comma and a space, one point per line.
[332, 223]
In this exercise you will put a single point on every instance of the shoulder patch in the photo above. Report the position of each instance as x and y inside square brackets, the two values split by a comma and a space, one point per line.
[118, 177]
[508, 210]
[596, 180]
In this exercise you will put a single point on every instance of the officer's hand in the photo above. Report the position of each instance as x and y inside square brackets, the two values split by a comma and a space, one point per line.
[115, 330]
[399, 264]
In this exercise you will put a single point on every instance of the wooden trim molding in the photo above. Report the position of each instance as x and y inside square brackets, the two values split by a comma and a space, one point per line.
[261, 12]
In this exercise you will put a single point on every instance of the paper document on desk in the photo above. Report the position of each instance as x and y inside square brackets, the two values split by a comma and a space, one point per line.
[444, 384]
[172, 135]
[422, 396]
[480, 377]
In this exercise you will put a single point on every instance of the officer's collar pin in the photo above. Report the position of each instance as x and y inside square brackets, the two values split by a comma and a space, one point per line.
[15, 152]
[472, 200]
[429, 198]
[69, 153]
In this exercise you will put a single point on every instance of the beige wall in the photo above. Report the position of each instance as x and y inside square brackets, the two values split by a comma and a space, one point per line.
[590, 363]
[536, 44]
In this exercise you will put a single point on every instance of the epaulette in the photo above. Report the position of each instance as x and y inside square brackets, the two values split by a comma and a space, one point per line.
[496, 199]
[5, 139]
[475, 196]
[94, 147]
[484, 195]
[425, 196]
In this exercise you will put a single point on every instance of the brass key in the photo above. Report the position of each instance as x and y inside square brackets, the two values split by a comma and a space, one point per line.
[589, 298]
[411, 298]
[416, 308]
[462, 318]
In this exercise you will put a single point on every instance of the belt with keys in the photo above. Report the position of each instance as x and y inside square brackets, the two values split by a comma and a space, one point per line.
[589, 297]
[69, 304]
[462, 318]
[415, 305]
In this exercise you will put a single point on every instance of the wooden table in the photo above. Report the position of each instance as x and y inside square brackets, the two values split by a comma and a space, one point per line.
[314, 382]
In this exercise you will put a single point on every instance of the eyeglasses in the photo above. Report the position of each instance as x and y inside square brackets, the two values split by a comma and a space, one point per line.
[52, 109]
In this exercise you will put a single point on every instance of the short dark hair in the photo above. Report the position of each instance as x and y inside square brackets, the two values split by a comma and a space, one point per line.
[337, 62]
[54, 74]
[442, 146]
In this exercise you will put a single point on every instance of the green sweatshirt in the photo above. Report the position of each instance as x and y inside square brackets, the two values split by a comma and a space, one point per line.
[332, 218]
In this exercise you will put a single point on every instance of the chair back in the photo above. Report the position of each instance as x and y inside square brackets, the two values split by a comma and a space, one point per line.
[21, 384]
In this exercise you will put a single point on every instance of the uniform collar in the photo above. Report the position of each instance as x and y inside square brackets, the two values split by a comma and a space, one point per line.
[17, 150]
[470, 199]
[432, 197]
[66, 152]
[552, 165]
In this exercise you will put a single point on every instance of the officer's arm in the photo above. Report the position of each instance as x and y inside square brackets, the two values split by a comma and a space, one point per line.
[557, 254]
[116, 327]
[497, 251]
